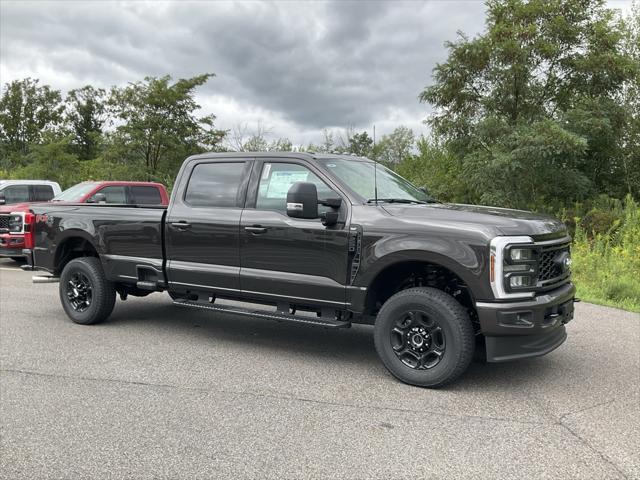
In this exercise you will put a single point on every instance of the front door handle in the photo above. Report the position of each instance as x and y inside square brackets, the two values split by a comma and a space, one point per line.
[256, 229]
[181, 225]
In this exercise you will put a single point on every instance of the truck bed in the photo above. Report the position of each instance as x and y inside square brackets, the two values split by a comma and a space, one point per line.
[126, 237]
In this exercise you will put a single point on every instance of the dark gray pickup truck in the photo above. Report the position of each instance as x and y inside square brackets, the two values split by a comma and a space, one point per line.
[326, 240]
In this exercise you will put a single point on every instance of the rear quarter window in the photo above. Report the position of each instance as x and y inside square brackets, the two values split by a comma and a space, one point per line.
[145, 195]
[42, 193]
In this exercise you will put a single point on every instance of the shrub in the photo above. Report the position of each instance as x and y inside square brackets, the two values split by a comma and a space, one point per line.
[606, 262]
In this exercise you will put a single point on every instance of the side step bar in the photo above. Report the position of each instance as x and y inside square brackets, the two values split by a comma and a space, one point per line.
[280, 317]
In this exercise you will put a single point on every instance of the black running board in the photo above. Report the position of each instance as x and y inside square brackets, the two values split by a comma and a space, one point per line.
[277, 316]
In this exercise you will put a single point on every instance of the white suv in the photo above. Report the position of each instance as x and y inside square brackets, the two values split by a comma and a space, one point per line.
[21, 191]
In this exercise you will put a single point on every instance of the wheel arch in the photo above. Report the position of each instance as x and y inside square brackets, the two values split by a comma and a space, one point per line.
[409, 269]
[75, 244]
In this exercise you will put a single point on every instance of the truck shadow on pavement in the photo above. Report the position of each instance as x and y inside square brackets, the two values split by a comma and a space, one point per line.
[344, 348]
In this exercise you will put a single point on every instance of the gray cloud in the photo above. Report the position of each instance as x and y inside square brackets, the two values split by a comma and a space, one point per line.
[297, 66]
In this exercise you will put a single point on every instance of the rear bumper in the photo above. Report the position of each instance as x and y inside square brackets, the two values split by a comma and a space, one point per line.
[530, 328]
[11, 245]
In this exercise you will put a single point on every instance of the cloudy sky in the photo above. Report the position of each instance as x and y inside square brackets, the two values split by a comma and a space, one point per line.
[294, 67]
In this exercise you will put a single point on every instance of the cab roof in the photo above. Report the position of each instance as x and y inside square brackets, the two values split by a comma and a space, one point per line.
[306, 155]
[27, 182]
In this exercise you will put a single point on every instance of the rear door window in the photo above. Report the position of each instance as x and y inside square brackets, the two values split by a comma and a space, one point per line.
[215, 184]
[42, 193]
[145, 195]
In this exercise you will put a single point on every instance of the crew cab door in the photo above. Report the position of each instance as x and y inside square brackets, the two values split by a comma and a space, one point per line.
[289, 258]
[202, 243]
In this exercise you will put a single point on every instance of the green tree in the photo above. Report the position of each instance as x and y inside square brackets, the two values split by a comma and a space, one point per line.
[396, 146]
[280, 145]
[533, 105]
[28, 111]
[631, 100]
[436, 168]
[159, 125]
[328, 144]
[361, 144]
[86, 114]
[255, 143]
[51, 160]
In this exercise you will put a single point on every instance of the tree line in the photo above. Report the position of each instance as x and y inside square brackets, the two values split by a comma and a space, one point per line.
[540, 111]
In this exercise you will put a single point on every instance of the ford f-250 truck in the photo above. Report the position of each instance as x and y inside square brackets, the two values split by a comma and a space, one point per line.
[325, 240]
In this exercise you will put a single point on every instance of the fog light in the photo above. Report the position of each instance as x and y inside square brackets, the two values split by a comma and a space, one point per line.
[516, 319]
[520, 281]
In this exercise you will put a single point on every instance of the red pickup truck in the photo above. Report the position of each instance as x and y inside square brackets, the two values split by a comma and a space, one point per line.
[129, 193]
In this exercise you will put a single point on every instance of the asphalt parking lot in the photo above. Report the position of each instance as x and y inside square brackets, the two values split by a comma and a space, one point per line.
[163, 392]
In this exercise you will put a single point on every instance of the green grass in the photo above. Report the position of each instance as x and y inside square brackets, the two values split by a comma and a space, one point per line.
[606, 266]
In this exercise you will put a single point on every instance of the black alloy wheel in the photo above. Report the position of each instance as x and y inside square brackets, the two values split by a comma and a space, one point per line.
[424, 337]
[418, 340]
[79, 292]
[86, 295]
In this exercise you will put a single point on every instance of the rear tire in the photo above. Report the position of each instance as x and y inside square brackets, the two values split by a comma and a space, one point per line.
[424, 337]
[86, 295]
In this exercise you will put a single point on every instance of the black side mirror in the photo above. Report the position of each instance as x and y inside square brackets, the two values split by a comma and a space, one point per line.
[331, 218]
[98, 198]
[302, 200]
[3, 199]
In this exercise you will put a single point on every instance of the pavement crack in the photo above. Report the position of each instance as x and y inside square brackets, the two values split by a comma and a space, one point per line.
[607, 402]
[604, 458]
[559, 421]
[488, 418]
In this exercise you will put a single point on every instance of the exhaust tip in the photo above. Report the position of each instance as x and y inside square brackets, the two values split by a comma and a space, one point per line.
[44, 279]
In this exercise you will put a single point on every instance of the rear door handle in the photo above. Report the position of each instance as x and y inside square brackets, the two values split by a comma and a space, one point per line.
[181, 225]
[256, 229]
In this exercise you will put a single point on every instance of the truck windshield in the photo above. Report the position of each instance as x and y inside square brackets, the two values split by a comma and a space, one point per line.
[75, 193]
[360, 177]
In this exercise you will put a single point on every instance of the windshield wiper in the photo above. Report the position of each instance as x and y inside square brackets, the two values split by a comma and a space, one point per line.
[395, 200]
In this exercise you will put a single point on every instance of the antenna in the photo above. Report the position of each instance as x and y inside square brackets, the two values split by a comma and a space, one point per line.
[375, 169]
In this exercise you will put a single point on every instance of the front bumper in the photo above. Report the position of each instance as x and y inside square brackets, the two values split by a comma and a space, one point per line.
[529, 328]
[11, 245]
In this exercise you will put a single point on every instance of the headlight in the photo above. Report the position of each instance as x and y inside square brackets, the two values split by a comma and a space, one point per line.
[520, 254]
[520, 281]
[16, 223]
[513, 266]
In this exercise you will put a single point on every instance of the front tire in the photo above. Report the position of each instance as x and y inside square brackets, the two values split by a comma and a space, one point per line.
[424, 337]
[86, 295]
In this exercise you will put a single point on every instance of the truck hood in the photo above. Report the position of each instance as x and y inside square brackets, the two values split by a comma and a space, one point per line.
[14, 207]
[502, 221]
[18, 207]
